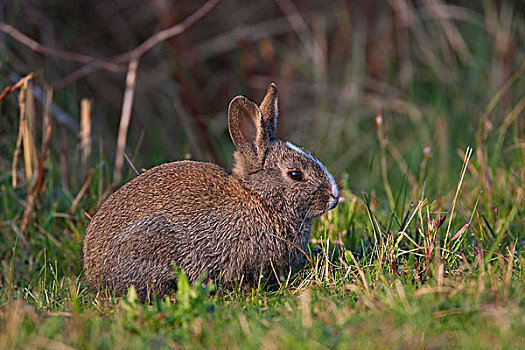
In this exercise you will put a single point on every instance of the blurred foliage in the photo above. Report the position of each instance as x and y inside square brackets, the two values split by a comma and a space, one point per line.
[430, 67]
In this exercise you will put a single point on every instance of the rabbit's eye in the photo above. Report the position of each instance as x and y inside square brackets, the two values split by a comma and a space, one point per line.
[295, 175]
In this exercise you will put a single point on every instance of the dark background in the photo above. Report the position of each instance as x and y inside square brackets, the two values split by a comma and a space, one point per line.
[431, 67]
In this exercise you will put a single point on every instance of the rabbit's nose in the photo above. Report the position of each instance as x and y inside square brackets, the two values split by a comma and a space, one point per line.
[333, 202]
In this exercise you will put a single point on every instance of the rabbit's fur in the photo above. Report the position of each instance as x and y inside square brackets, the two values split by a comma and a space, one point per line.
[199, 217]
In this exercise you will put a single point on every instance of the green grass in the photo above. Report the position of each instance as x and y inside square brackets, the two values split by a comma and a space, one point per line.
[370, 286]
[472, 314]
[425, 250]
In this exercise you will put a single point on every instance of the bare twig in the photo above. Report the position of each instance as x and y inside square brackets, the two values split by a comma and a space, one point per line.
[64, 166]
[47, 51]
[166, 33]
[15, 86]
[127, 105]
[251, 32]
[137, 147]
[142, 48]
[82, 191]
[76, 75]
[43, 156]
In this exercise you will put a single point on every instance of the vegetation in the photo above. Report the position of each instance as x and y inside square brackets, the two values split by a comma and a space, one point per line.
[416, 108]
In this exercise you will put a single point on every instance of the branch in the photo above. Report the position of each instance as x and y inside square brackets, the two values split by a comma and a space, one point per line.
[93, 64]
[15, 86]
[47, 51]
[166, 33]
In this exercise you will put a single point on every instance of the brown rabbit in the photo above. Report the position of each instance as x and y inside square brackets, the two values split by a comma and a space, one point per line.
[232, 226]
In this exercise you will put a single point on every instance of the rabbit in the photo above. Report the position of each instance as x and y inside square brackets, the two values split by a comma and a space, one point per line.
[228, 226]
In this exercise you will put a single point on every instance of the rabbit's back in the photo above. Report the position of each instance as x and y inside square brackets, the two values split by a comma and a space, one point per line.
[179, 212]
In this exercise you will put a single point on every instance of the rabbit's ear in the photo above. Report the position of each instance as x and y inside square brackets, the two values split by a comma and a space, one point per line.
[247, 132]
[269, 111]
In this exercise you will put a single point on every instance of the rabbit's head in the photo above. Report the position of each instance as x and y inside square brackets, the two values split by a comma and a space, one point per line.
[286, 175]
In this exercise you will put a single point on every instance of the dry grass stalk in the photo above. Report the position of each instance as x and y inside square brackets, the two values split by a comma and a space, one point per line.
[359, 270]
[48, 102]
[22, 109]
[28, 135]
[125, 118]
[85, 132]
[36, 188]
[131, 165]
[463, 171]
[61, 117]
[383, 143]
[404, 168]
[508, 274]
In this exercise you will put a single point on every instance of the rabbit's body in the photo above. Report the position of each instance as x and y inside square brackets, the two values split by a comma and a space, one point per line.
[182, 227]
[196, 215]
